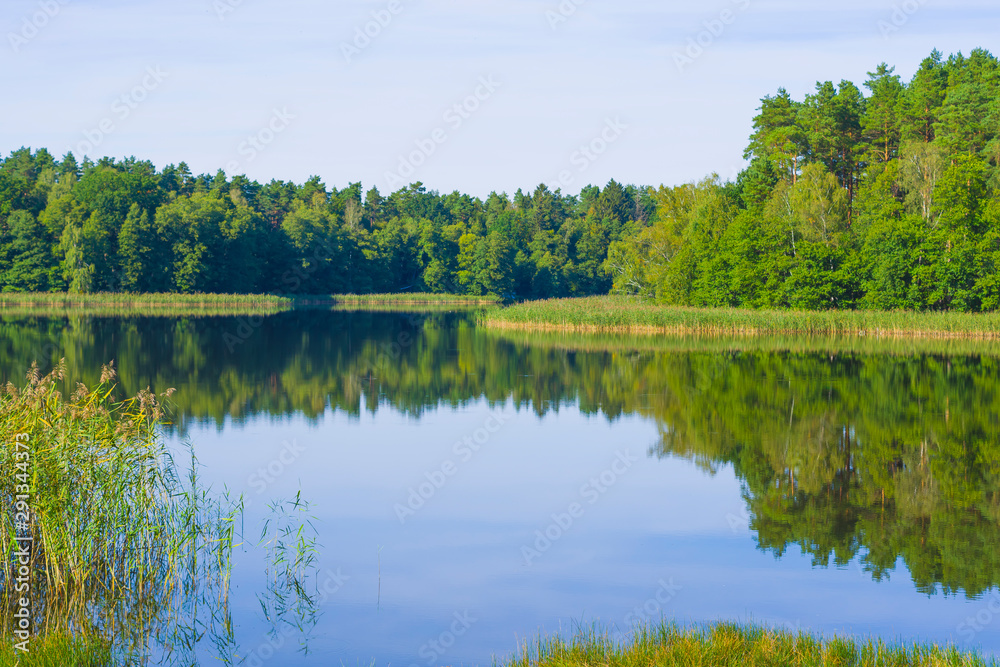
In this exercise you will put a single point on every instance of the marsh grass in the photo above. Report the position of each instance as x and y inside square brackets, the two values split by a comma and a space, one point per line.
[731, 645]
[415, 299]
[124, 544]
[141, 301]
[60, 650]
[618, 314]
[55, 304]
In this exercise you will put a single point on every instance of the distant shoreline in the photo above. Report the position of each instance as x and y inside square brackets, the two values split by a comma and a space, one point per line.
[631, 315]
[25, 303]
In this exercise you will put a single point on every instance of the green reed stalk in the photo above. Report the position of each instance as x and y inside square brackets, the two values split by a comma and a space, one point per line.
[115, 531]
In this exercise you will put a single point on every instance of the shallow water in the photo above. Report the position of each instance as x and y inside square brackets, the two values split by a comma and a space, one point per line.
[470, 491]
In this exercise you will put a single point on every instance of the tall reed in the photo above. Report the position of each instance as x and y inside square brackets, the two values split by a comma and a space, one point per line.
[633, 315]
[120, 539]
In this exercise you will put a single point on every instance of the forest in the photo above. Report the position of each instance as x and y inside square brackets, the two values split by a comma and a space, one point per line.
[883, 198]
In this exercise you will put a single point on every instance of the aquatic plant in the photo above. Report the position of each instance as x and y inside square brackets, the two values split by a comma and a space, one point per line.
[103, 539]
[636, 315]
[730, 645]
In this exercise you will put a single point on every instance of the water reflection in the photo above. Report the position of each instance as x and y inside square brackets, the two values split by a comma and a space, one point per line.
[845, 451]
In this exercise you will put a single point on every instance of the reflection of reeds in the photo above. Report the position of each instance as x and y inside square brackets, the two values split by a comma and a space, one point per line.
[634, 315]
[123, 545]
[290, 601]
[729, 645]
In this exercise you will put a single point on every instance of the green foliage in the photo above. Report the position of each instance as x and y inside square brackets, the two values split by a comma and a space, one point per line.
[729, 645]
[124, 227]
[849, 201]
[884, 202]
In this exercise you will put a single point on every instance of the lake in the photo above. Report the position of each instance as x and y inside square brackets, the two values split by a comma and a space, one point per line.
[468, 490]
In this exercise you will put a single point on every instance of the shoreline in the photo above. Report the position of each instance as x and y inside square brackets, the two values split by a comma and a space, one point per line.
[631, 316]
[112, 304]
[730, 644]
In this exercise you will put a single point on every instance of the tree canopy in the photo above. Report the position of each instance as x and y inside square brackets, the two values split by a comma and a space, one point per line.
[879, 196]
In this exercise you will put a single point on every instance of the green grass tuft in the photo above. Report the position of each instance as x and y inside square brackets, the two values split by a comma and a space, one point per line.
[731, 645]
[58, 650]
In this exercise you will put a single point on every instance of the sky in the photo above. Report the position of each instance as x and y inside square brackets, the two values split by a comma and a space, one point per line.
[491, 95]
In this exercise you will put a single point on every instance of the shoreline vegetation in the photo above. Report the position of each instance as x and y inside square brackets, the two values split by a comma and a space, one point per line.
[633, 315]
[733, 645]
[110, 304]
[119, 536]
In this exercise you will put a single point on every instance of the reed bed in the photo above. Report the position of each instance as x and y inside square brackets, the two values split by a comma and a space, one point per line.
[613, 314]
[119, 537]
[141, 301]
[732, 645]
[217, 305]
[415, 299]
[124, 311]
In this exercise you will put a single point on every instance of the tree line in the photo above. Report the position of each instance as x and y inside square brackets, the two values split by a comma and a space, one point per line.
[125, 226]
[885, 200]
[880, 201]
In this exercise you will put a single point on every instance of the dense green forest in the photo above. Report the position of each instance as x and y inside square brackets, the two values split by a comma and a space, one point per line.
[124, 226]
[884, 200]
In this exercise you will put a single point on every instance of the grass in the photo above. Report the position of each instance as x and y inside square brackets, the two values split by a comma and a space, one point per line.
[118, 536]
[617, 314]
[732, 645]
[27, 304]
[415, 299]
[59, 650]
[107, 300]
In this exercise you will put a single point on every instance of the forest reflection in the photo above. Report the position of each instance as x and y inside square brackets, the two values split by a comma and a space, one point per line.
[843, 451]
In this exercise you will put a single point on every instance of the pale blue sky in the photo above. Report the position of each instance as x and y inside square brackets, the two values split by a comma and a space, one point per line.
[232, 69]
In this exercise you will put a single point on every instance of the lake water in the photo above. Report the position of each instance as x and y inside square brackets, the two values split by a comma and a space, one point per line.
[470, 490]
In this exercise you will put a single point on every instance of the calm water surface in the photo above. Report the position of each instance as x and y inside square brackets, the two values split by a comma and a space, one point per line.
[471, 490]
